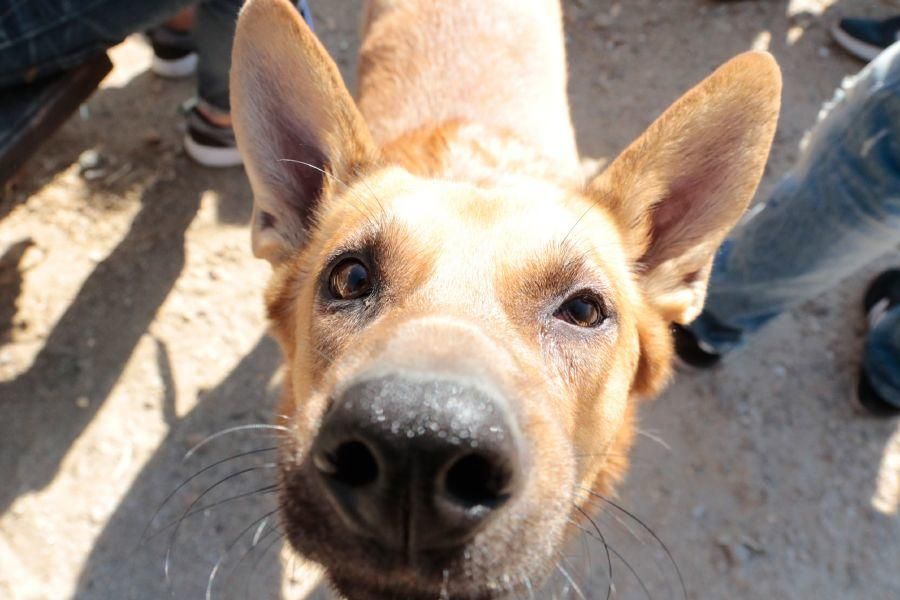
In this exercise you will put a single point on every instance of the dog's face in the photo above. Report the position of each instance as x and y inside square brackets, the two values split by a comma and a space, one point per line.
[463, 355]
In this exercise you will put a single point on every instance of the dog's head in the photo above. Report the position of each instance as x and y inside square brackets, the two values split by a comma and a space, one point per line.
[463, 356]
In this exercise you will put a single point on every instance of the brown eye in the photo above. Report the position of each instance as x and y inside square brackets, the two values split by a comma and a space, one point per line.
[582, 310]
[350, 280]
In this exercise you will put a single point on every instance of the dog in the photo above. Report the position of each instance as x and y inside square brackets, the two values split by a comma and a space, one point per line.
[468, 322]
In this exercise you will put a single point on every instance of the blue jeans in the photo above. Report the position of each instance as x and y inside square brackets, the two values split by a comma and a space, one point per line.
[42, 38]
[838, 209]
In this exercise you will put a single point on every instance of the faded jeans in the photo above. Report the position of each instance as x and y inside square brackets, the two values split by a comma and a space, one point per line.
[838, 209]
[39, 38]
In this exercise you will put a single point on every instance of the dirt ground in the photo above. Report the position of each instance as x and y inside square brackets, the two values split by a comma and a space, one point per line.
[131, 328]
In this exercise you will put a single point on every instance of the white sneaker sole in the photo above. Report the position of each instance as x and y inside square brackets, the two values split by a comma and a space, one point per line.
[217, 158]
[175, 69]
[861, 50]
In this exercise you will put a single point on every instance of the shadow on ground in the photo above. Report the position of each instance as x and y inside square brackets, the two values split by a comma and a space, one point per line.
[48, 406]
[213, 528]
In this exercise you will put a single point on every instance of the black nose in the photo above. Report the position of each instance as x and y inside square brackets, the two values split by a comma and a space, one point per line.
[418, 463]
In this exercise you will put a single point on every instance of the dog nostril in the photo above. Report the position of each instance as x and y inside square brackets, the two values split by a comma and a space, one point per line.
[351, 463]
[476, 480]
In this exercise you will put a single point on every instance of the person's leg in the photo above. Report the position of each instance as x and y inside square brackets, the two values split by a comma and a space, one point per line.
[39, 39]
[835, 211]
[174, 51]
[213, 36]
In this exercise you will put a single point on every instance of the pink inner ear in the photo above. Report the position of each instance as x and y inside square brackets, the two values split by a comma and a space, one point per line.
[292, 171]
[693, 211]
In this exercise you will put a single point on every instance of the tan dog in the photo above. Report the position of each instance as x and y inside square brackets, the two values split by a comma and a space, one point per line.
[467, 324]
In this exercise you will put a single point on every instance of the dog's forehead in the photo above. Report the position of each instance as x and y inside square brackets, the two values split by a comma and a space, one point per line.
[506, 220]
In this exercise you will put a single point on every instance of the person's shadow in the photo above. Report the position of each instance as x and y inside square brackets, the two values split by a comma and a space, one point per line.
[233, 525]
[47, 407]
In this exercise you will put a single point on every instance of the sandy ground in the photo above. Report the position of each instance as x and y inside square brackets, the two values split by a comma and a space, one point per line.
[131, 327]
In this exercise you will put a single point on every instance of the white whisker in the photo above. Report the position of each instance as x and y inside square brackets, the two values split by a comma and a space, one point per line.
[219, 434]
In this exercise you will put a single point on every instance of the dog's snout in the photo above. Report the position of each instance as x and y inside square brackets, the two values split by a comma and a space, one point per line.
[418, 463]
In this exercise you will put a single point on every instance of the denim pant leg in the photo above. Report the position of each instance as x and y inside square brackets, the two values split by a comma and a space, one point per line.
[838, 209]
[39, 39]
[213, 36]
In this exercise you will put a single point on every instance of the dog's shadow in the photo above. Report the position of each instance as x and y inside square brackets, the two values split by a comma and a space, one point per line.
[221, 522]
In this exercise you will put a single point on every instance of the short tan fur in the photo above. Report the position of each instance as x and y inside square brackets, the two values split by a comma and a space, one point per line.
[457, 171]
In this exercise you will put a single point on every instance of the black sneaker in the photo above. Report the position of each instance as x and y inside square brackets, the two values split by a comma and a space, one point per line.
[691, 351]
[209, 144]
[882, 295]
[866, 38]
[174, 53]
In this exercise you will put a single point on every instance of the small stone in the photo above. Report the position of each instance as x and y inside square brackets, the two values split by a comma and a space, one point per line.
[152, 138]
[82, 402]
[34, 255]
[97, 515]
[824, 52]
[90, 160]
[735, 553]
[779, 371]
[191, 440]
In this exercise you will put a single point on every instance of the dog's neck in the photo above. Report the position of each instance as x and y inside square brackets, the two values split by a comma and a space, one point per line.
[430, 69]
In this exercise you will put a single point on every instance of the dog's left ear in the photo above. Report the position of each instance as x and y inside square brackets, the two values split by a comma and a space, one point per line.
[297, 127]
[680, 187]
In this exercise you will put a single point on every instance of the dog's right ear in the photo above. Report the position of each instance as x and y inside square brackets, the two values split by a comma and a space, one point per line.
[296, 124]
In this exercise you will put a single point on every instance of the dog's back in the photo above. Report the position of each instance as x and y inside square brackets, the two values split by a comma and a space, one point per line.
[499, 64]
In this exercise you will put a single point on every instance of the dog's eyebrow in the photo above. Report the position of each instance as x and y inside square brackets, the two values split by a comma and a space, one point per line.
[558, 268]
[367, 238]
[388, 240]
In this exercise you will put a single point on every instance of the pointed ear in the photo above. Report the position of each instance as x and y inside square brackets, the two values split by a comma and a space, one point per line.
[294, 121]
[681, 186]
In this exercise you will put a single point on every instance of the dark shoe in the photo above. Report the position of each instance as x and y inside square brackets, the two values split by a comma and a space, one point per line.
[174, 53]
[882, 295]
[31, 112]
[866, 38]
[691, 351]
[871, 401]
[209, 144]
